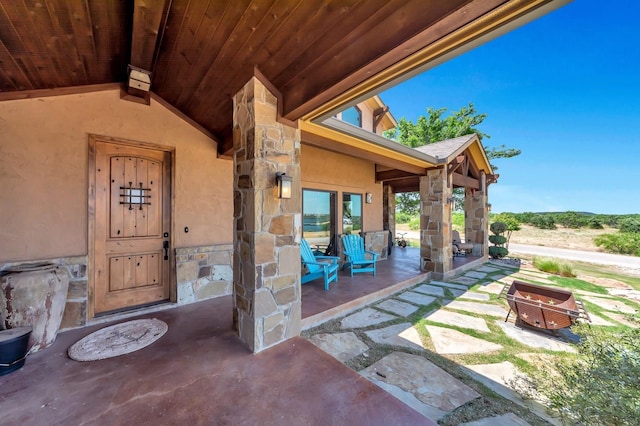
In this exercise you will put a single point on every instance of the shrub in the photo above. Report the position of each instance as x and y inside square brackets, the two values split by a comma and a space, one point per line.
[497, 252]
[498, 228]
[543, 222]
[621, 242]
[630, 225]
[402, 217]
[414, 224]
[595, 224]
[599, 386]
[497, 239]
[552, 266]
[457, 220]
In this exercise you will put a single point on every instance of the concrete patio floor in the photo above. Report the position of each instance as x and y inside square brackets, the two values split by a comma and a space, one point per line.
[399, 271]
[197, 373]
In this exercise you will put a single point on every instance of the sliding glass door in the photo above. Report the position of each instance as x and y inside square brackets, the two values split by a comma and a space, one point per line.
[319, 219]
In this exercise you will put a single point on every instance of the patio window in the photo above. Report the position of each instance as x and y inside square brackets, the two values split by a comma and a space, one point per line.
[353, 116]
[319, 219]
[351, 213]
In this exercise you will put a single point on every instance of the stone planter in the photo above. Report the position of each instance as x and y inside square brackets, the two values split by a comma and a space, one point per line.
[34, 295]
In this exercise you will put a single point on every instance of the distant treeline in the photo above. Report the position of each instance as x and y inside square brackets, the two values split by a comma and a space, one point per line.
[575, 220]
[625, 241]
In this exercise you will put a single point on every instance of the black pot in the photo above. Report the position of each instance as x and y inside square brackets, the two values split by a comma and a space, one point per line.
[14, 344]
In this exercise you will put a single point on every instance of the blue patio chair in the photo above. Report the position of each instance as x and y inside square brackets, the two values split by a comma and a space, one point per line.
[357, 258]
[325, 267]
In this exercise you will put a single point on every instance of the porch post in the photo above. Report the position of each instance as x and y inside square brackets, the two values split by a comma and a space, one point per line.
[435, 221]
[266, 261]
[477, 217]
[389, 210]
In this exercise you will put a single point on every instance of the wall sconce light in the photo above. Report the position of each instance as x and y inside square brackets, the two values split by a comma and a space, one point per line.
[489, 206]
[284, 183]
[368, 198]
[450, 200]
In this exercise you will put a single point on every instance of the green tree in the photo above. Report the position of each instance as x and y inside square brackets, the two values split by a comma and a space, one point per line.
[408, 203]
[435, 127]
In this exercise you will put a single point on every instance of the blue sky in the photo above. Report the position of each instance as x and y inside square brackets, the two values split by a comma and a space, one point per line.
[565, 89]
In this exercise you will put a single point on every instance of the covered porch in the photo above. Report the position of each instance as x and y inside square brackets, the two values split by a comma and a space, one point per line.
[398, 271]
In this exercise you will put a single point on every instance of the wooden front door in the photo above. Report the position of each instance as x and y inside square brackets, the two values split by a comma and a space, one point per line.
[132, 222]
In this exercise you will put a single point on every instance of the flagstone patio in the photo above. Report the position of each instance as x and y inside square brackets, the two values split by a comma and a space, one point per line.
[421, 322]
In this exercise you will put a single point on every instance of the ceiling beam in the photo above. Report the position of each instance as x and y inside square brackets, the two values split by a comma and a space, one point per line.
[465, 181]
[147, 29]
[390, 175]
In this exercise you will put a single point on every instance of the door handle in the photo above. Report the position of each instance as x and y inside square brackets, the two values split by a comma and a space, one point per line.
[165, 246]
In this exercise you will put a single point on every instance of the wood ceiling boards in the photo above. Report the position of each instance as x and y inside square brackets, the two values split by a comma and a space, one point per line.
[201, 52]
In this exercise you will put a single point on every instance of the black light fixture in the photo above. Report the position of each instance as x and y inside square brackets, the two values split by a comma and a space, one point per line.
[284, 183]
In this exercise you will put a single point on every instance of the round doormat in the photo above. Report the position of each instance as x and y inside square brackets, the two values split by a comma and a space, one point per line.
[118, 339]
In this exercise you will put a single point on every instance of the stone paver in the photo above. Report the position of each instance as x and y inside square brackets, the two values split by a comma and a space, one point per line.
[404, 335]
[475, 274]
[430, 290]
[503, 265]
[486, 268]
[464, 280]
[534, 273]
[534, 338]
[475, 296]
[610, 305]
[499, 277]
[493, 288]
[459, 320]
[341, 346]
[598, 320]
[457, 293]
[622, 319]
[497, 376]
[449, 285]
[397, 307]
[365, 318]
[449, 341]
[478, 308]
[417, 298]
[529, 277]
[508, 419]
[433, 393]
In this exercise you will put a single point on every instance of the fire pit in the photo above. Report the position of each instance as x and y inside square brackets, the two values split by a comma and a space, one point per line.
[544, 307]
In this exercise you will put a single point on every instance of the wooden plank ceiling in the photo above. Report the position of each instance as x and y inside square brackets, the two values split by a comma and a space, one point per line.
[201, 52]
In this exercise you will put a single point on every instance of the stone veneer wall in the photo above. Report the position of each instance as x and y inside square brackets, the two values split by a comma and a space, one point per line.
[377, 241]
[203, 272]
[477, 217]
[435, 221]
[75, 311]
[266, 264]
[389, 209]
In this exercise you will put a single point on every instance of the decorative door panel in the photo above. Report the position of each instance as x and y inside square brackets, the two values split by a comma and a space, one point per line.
[132, 209]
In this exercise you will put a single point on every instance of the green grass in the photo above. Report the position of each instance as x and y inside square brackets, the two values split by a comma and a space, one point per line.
[577, 284]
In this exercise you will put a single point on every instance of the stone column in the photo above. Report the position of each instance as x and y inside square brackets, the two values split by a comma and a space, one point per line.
[477, 216]
[389, 210]
[435, 221]
[266, 261]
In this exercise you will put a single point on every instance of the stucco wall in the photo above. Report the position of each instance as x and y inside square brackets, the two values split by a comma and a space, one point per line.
[329, 171]
[44, 168]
